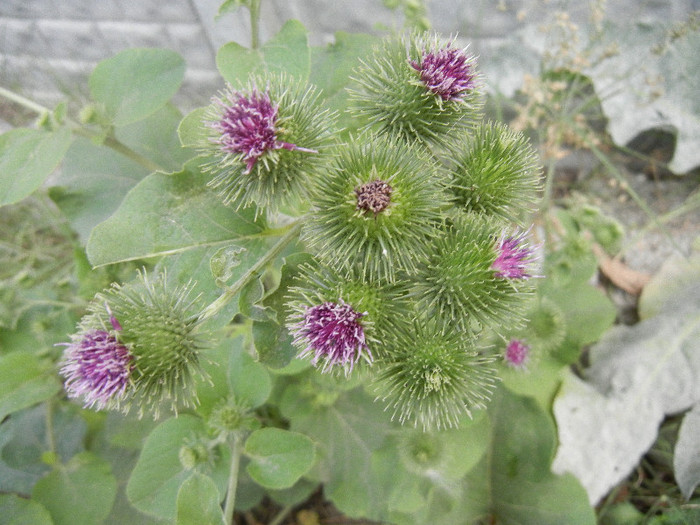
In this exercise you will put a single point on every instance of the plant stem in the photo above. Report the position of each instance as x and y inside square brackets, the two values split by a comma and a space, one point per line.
[22, 101]
[236, 451]
[76, 128]
[254, 24]
[49, 426]
[281, 515]
[230, 292]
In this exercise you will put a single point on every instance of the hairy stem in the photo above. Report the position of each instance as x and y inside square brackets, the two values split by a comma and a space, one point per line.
[255, 24]
[230, 292]
[22, 101]
[110, 141]
[236, 451]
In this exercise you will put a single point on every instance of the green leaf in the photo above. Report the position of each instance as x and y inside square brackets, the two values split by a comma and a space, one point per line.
[249, 299]
[513, 484]
[223, 262]
[27, 158]
[273, 343]
[191, 131]
[158, 474]
[157, 139]
[332, 66]
[19, 511]
[278, 458]
[79, 493]
[136, 83]
[286, 52]
[172, 213]
[24, 381]
[229, 6]
[686, 459]
[92, 183]
[346, 433]
[588, 312]
[248, 379]
[638, 374]
[198, 502]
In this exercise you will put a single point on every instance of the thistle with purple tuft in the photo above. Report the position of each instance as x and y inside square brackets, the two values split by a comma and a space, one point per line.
[447, 72]
[514, 257]
[332, 333]
[97, 368]
[248, 126]
[263, 146]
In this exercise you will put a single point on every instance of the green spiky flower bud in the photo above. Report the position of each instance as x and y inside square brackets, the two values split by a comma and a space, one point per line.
[495, 172]
[341, 320]
[434, 377]
[546, 326]
[266, 141]
[377, 208]
[476, 276]
[157, 324]
[418, 88]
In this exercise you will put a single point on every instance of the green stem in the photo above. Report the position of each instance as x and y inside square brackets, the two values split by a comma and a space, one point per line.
[22, 101]
[254, 24]
[110, 141]
[49, 426]
[281, 515]
[230, 292]
[236, 451]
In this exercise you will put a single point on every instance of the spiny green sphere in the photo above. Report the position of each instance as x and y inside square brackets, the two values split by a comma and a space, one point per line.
[418, 88]
[157, 323]
[266, 141]
[434, 377]
[377, 208]
[475, 277]
[495, 172]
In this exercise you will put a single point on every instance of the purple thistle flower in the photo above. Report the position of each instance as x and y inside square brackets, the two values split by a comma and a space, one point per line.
[517, 354]
[96, 368]
[514, 257]
[332, 332]
[447, 72]
[248, 127]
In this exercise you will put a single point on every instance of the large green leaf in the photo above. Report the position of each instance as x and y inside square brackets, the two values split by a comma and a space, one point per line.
[286, 52]
[27, 158]
[136, 82]
[80, 492]
[346, 433]
[92, 184]
[155, 481]
[513, 484]
[156, 138]
[638, 374]
[168, 214]
[24, 381]
[278, 458]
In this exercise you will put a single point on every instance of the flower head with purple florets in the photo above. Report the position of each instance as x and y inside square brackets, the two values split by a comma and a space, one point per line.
[447, 72]
[332, 333]
[97, 367]
[514, 257]
[248, 126]
[517, 354]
